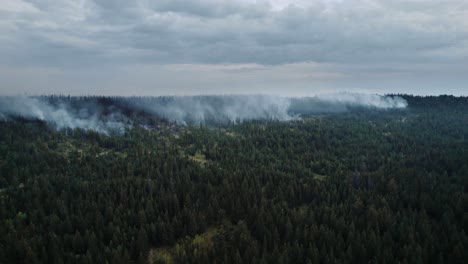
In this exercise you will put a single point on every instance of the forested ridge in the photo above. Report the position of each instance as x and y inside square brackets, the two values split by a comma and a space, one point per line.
[362, 186]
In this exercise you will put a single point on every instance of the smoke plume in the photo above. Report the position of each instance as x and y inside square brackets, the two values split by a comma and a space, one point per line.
[104, 114]
[218, 109]
[238, 108]
[64, 113]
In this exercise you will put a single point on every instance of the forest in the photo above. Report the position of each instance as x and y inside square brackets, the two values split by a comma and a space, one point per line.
[364, 185]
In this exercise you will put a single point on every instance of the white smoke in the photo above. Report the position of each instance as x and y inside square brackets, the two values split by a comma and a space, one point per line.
[203, 109]
[238, 108]
[61, 115]
[341, 102]
[364, 100]
[93, 114]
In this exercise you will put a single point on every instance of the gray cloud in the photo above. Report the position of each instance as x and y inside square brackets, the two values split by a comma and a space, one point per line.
[76, 35]
[211, 31]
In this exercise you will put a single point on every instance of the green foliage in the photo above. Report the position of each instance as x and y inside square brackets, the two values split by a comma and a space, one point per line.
[357, 187]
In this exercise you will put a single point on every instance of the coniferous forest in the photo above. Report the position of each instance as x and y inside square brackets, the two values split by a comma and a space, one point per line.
[361, 186]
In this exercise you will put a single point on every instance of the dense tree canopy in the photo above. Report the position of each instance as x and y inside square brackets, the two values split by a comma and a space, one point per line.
[365, 186]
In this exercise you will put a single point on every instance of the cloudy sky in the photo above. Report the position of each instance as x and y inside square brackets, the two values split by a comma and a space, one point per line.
[286, 47]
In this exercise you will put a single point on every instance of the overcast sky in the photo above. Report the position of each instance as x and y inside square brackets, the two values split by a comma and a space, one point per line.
[285, 47]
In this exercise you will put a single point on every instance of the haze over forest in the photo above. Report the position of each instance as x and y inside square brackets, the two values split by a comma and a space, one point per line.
[117, 114]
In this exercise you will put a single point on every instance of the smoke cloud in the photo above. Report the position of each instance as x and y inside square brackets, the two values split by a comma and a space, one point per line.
[104, 114]
[341, 102]
[218, 109]
[238, 108]
[63, 113]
